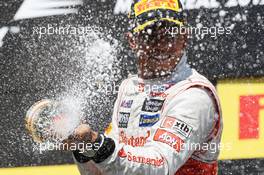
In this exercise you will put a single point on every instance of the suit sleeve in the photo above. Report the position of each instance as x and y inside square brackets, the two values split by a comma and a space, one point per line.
[91, 168]
[188, 119]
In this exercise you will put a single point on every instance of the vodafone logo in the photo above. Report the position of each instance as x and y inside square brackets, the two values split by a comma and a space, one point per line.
[168, 138]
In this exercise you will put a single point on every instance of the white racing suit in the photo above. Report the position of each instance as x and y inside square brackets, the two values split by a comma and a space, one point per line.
[168, 126]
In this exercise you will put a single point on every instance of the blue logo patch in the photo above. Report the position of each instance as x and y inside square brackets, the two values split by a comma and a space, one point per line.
[148, 120]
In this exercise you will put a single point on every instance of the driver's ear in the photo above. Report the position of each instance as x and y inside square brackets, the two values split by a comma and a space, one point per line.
[131, 40]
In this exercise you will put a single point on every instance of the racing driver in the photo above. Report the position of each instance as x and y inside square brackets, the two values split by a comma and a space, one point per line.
[166, 117]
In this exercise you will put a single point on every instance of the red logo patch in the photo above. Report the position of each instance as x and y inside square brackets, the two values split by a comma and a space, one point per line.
[168, 122]
[141, 87]
[154, 161]
[122, 153]
[169, 138]
[133, 141]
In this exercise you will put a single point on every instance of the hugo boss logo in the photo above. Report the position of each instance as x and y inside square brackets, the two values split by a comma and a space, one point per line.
[152, 105]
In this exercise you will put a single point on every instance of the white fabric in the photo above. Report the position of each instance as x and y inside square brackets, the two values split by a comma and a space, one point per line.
[194, 106]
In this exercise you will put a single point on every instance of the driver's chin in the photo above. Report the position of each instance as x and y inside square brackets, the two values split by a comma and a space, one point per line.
[150, 67]
[147, 73]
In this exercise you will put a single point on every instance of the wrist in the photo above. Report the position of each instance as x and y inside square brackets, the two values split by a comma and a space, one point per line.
[102, 148]
[105, 150]
[96, 144]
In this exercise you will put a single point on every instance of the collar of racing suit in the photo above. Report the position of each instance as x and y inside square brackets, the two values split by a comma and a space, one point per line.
[181, 72]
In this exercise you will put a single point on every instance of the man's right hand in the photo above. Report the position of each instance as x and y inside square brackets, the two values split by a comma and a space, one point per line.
[83, 134]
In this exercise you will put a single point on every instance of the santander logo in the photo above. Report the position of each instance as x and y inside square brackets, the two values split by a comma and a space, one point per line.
[133, 141]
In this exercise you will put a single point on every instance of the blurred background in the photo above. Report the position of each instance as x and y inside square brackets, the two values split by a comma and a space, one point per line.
[53, 48]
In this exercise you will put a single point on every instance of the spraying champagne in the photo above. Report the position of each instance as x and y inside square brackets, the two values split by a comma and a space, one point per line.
[51, 121]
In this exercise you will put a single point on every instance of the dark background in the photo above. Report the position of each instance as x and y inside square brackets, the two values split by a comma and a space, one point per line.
[33, 68]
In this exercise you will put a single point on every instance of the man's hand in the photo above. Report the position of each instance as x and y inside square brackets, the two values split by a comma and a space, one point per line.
[82, 134]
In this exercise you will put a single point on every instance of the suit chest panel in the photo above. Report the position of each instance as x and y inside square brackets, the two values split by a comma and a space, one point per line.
[136, 115]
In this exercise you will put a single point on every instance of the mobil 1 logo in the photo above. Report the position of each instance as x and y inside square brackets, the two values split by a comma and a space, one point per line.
[123, 119]
[152, 105]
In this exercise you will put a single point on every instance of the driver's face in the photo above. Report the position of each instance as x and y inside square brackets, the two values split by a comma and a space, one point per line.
[158, 51]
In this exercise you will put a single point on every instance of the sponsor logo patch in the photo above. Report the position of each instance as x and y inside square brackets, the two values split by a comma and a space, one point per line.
[123, 119]
[152, 105]
[158, 94]
[177, 125]
[133, 141]
[126, 103]
[148, 120]
[154, 90]
[147, 5]
[168, 138]
[141, 158]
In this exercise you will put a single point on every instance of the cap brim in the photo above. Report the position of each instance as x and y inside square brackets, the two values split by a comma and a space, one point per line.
[148, 23]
